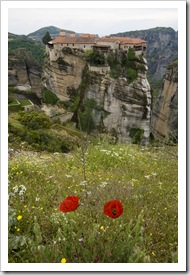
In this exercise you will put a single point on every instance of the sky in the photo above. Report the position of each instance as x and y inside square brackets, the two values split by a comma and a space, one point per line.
[101, 21]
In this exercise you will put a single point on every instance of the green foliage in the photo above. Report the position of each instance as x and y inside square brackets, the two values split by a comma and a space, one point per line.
[46, 38]
[136, 135]
[173, 64]
[87, 116]
[131, 64]
[127, 65]
[87, 54]
[41, 137]
[131, 74]
[96, 58]
[11, 90]
[74, 105]
[36, 49]
[15, 108]
[49, 97]
[34, 120]
[12, 100]
[116, 71]
[155, 87]
[131, 54]
[146, 232]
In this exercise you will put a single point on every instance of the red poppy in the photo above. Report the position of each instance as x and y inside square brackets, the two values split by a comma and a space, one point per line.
[71, 203]
[113, 209]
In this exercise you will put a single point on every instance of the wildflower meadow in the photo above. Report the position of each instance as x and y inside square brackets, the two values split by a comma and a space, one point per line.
[100, 203]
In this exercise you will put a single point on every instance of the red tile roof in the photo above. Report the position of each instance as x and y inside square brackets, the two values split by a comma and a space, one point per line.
[73, 40]
[122, 40]
[91, 39]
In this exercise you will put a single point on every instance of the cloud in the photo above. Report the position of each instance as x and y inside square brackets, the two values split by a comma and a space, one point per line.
[101, 21]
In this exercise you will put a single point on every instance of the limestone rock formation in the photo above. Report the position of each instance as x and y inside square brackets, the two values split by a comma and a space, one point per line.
[164, 122]
[123, 107]
[64, 74]
[127, 106]
[24, 71]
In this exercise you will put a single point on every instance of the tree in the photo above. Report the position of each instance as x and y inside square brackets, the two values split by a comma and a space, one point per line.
[46, 38]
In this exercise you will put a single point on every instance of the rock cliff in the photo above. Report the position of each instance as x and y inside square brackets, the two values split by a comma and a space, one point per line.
[63, 75]
[127, 106]
[123, 107]
[164, 122]
[24, 71]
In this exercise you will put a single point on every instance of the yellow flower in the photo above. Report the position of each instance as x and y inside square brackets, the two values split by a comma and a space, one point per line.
[102, 227]
[63, 260]
[153, 253]
[18, 229]
[33, 206]
[19, 217]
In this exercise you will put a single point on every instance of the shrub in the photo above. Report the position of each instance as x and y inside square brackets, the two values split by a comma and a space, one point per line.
[15, 108]
[49, 97]
[96, 58]
[131, 74]
[34, 120]
[116, 71]
[136, 135]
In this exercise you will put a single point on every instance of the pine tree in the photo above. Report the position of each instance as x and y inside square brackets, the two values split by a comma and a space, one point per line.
[46, 38]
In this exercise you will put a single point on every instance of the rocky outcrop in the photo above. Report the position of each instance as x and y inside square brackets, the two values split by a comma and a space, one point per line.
[59, 76]
[24, 71]
[164, 122]
[161, 51]
[125, 108]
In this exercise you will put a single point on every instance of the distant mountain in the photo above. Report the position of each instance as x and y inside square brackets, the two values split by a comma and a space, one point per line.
[53, 31]
[161, 51]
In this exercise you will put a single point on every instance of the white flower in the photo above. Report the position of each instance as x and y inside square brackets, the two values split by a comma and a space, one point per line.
[154, 174]
[148, 176]
[83, 183]
[15, 189]
[103, 184]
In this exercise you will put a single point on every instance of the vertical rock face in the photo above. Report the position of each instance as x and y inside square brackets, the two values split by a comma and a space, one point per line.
[126, 106]
[164, 122]
[123, 108]
[24, 71]
[63, 75]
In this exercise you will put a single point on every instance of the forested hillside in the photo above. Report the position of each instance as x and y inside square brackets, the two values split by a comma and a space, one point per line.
[21, 41]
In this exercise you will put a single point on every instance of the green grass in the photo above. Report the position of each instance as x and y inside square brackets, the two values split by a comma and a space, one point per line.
[144, 179]
[14, 102]
[25, 102]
